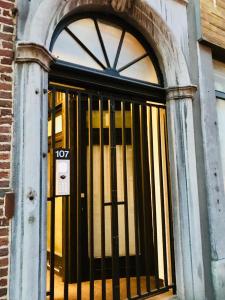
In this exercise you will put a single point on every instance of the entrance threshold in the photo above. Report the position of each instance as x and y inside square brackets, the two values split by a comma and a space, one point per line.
[59, 290]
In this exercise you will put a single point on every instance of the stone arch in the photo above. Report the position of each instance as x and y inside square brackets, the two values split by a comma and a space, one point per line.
[40, 27]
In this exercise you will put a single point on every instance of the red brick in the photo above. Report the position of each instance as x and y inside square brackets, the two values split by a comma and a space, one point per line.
[6, 5]
[5, 138]
[6, 78]
[6, 53]
[7, 45]
[4, 184]
[4, 222]
[3, 272]
[8, 29]
[4, 103]
[5, 120]
[6, 36]
[5, 130]
[5, 20]
[6, 61]
[4, 156]
[3, 292]
[4, 165]
[4, 242]
[5, 86]
[7, 13]
[5, 112]
[5, 147]
[5, 95]
[4, 252]
[4, 232]
[5, 69]
[3, 282]
[4, 262]
[4, 175]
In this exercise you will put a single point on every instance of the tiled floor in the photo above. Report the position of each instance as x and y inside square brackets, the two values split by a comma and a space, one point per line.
[59, 285]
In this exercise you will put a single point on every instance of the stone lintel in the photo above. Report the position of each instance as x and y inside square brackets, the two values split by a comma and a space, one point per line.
[27, 52]
[181, 92]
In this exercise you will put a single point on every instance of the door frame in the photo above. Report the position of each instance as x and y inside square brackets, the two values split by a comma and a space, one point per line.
[58, 86]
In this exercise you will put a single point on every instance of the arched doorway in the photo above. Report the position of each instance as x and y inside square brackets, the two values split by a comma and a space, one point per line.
[109, 230]
[32, 66]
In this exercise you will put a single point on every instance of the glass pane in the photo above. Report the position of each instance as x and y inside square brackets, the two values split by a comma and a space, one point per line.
[131, 49]
[142, 70]
[111, 35]
[67, 49]
[219, 75]
[58, 125]
[85, 30]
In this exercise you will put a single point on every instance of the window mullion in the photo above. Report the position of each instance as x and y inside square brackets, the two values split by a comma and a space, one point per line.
[119, 49]
[102, 43]
[133, 62]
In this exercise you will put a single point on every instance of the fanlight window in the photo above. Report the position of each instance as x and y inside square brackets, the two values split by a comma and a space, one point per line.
[104, 46]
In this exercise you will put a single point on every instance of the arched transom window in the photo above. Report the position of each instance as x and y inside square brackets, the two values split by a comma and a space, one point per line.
[104, 46]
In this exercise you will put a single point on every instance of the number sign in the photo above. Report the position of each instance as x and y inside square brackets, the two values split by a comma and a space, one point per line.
[62, 178]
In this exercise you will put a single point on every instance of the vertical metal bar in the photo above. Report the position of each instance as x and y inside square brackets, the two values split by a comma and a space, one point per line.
[79, 209]
[101, 128]
[73, 189]
[90, 200]
[136, 204]
[152, 171]
[52, 241]
[144, 195]
[66, 198]
[114, 208]
[126, 213]
[162, 197]
[170, 209]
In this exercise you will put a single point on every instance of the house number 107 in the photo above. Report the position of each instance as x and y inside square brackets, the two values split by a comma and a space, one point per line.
[61, 153]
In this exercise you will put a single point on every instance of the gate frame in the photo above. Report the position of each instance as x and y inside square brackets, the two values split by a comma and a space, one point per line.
[28, 249]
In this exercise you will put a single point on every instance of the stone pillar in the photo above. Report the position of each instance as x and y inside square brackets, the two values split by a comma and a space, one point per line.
[185, 201]
[213, 170]
[28, 263]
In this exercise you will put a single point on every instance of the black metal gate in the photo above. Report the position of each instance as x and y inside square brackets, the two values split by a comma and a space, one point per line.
[112, 237]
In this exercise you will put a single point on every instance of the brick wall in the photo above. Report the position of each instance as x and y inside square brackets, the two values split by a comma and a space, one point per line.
[7, 22]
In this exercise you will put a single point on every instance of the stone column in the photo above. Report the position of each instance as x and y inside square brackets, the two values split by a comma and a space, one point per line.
[213, 170]
[28, 249]
[185, 201]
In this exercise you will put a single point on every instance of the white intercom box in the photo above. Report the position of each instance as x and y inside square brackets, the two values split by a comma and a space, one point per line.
[62, 167]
